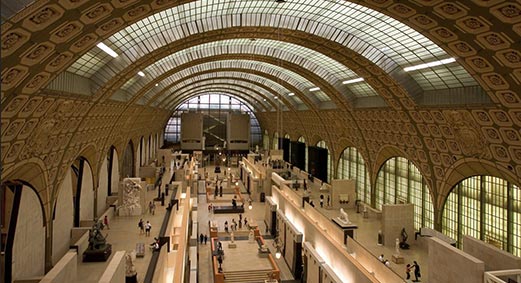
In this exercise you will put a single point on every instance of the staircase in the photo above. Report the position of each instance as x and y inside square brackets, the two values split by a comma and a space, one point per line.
[247, 276]
[214, 130]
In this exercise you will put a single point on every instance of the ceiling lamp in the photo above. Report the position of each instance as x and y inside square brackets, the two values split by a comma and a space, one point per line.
[107, 49]
[353, 81]
[291, 94]
[141, 74]
[314, 89]
[430, 64]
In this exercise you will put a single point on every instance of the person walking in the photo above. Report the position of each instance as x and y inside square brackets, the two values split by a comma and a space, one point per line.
[321, 201]
[148, 227]
[106, 222]
[201, 238]
[205, 238]
[141, 226]
[408, 271]
[226, 226]
[417, 273]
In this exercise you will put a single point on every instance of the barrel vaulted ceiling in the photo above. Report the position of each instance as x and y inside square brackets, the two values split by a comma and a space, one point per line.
[58, 85]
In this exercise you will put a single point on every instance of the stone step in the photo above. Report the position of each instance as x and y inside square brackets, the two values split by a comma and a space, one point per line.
[246, 276]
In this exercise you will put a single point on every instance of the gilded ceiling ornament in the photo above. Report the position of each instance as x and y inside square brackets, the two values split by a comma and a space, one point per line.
[10, 40]
[50, 125]
[510, 11]
[43, 16]
[467, 134]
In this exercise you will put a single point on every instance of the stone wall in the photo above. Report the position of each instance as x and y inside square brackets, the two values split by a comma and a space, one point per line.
[395, 217]
[447, 264]
[494, 258]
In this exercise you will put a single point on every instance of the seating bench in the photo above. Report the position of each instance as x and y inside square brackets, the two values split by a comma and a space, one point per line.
[343, 198]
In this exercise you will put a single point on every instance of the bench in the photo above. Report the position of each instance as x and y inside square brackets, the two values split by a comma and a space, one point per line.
[228, 209]
[343, 198]
[140, 249]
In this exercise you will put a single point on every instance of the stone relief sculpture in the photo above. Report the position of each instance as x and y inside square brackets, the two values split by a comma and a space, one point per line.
[130, 204]
[467, 134]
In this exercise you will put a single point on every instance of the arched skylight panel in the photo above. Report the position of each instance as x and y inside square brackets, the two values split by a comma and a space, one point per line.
[210, 15]
[443, 77]
[222, 86]
[195, 92]
[332, 71]
[192, 103]
[246, 88]
[204, 92]
[285, 76]
[362, 89]
[250, 77]
[261, 80]
[136, 82]
[190, 86]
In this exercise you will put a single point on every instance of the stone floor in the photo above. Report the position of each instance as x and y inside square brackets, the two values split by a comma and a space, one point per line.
[124, 234]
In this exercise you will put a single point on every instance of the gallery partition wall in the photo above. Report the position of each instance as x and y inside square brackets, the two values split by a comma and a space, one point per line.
[486, 208]
[399, 181]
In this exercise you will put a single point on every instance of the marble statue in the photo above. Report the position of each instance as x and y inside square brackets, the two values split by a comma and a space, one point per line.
[130, 204]
[130, 268]
[233, 237]
[343, 216]
[397, 246]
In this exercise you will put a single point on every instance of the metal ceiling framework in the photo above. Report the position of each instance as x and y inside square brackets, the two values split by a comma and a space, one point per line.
[381, 39]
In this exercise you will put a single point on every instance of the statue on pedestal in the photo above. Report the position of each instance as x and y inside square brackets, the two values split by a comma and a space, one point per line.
[403, 244]
[343, 216]
[233, 237]
[98, 249]
[130, 268]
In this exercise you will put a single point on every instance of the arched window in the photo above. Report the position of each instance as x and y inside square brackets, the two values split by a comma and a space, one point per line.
[330, 170]
[399, 181]
[486, 208]
[211, 104]
[352, 166]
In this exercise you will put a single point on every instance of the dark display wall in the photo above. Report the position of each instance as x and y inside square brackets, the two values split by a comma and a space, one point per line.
[284, 145]
[317, 162]
[298, 154]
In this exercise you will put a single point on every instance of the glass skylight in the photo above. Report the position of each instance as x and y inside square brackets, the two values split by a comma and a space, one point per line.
[383, 40]
[284, 75]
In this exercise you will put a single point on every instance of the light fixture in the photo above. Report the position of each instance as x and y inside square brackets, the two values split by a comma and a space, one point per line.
[140, 73]
[236, 183]
[291, 94]
[183, 195]
[353, 81]
[314, 89]
[277, 254]
[430, 64]
[276, 97]
[157, 84]
[250, 204]
[264, 99]
[107, 49]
